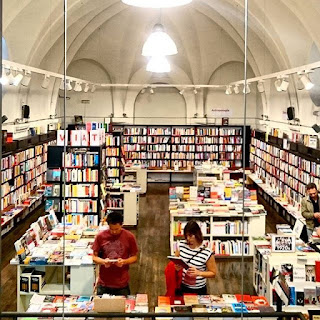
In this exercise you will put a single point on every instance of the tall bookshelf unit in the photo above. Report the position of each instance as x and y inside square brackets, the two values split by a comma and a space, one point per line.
[288, 170]
[23, 172]
[161, 147]
[82, 173]
[113, 156]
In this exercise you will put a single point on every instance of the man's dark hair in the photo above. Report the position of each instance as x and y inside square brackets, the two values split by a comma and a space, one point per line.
[115, 217]
[192, 228]
[311, 185]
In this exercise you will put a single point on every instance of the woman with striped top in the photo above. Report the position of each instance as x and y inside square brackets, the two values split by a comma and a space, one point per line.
[199, 258]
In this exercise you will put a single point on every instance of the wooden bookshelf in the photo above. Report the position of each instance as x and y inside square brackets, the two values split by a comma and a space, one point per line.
[160, 147]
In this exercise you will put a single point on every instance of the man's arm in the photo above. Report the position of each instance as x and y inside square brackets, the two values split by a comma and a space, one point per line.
[304, 210]
[96, 259]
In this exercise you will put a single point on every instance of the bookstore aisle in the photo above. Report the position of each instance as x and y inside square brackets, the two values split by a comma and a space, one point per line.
[153, 241]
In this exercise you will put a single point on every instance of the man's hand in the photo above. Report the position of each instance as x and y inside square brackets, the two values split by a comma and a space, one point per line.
[120, 263]
[317, 215]
[107, 263]
[193, 272]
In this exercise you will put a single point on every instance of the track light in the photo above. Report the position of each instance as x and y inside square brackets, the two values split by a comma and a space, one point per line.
[246, 89]
[195, 91]
[236, 89]
[284, 84]
[316, 128]
[45, 82]
[77, 87]
[308, 85]
[228, 90]
[143, 90]
[17, 79]
[86, 87]
[26, 78]
[10, 76]
[68, 85]
[4, 80]
[277, 85]
[181, 91]
[260, 86]
[93, 89]
[151, 90]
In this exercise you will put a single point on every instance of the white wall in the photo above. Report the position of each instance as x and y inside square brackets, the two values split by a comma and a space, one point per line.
[164, 106]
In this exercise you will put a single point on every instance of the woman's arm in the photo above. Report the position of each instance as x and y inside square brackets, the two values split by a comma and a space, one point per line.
[209, 273]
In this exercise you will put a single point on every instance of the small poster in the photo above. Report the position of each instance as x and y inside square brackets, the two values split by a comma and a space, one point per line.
[281, 243]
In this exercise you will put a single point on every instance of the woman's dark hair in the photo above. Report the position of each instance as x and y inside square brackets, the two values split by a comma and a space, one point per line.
[115, 217]
[192, 228]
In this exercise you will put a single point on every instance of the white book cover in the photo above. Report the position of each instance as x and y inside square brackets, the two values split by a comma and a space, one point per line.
[75, 138]
[84, 138]
[94, 138]
[299, 273]
[61, 137]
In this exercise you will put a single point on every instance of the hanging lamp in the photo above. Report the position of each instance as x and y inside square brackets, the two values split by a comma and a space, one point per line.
[156, 3]
[158, 64]
[159, 43]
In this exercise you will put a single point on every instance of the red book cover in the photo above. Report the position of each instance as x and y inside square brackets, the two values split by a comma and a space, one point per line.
[260, 301]
[317, 270]
[246, 298]
[163, 301]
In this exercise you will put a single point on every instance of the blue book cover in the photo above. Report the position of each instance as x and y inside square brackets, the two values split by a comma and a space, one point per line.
[292, 300]
[236, 307]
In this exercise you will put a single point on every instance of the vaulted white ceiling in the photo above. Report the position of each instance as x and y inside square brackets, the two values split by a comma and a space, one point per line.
[208, 34]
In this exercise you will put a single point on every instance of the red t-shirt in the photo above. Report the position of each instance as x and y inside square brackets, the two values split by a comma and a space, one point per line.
[109, 246]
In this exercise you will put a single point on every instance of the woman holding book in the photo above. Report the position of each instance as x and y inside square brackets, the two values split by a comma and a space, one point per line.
[198, 257]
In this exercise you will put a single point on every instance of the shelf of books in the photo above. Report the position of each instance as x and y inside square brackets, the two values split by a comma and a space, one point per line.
[23, 174]
[219, 217]
[301, 270]
[166, 147]
[113, 156]
[288, 172]
[40, 257]
[73, 181]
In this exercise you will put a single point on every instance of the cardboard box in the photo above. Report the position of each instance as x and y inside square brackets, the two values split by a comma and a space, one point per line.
[25, 279]
[37, 281]
[114, 304]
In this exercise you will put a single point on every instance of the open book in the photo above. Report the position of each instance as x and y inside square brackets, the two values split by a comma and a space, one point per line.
[178, 261]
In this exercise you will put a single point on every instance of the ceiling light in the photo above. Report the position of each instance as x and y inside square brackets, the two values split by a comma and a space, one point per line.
[68, 85]
[45, 82]
[158, 64]
[4, 80]
[181, 91]
[277, 85]
[26, 79]
[93, 89]
[9, 76]
[228, 90]
[236, 89]
[143, 90]
[195, 91]
[77, 87]
[17, 79]
[246, 89]
[86, 87]
[308, 85]
[284, 84]
[151, 90]
[260, 86]
[159, 43]
[156, 3]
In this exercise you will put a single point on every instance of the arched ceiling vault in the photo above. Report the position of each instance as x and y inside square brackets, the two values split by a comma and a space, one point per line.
[270, 48]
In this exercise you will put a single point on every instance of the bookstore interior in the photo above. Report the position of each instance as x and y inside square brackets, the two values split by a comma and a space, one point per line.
[168, 167]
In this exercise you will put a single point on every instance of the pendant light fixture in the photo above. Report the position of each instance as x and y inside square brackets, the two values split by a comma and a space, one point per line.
[158, 64]
[159, 43]
[156, 3]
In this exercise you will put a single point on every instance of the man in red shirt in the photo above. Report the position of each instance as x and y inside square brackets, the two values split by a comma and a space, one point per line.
[114, 249]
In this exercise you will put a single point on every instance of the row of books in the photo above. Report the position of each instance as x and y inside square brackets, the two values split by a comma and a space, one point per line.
[178, 227]
[230, 148]
[135, 131]
[113, 172]
[206, 156]
[182, 140]
[182, 155]
[141, 139]
[235, 139]
[115, 203]
[74, 190]
[213, 303]
[183, 148]
[112, 162]
[74, 175]
[161, 147]
[87, 220]
[148, 155]
[207, 148]
[230, 247]
[236, 227]
[89, 159]
[112, 151]
[80, 206]
[183, 131]
[112, 141]
[32, 174]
